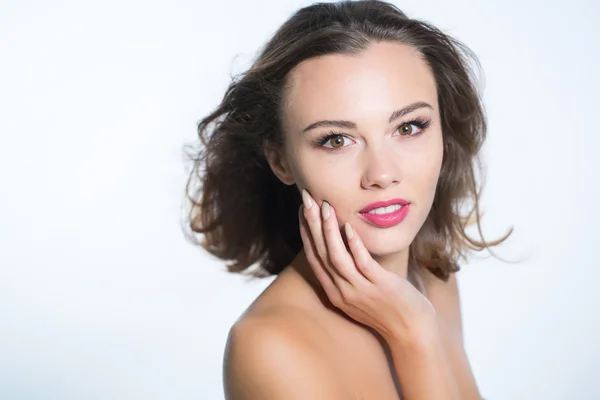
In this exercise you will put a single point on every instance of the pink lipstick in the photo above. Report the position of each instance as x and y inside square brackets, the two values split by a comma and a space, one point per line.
[387, 213]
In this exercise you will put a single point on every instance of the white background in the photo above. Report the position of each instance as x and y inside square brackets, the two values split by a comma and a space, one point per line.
[101, 297]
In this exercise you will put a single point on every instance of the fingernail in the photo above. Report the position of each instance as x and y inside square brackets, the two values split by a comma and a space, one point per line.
[306, 199]
[325, 210]
[348, 228]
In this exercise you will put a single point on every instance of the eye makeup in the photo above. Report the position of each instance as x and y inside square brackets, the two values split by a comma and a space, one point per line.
[420, 122]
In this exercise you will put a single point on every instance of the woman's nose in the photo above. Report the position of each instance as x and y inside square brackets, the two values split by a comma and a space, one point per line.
[381, 169]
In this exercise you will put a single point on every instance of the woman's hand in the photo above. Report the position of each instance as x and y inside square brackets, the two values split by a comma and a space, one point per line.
[355, 283]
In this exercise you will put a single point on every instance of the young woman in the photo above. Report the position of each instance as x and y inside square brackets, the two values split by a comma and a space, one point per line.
[341, 161]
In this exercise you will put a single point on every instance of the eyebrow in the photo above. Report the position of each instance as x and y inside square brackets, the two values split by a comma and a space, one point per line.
[352, 125]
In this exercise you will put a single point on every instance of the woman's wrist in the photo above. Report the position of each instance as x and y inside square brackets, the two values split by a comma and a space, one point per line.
[420, 333]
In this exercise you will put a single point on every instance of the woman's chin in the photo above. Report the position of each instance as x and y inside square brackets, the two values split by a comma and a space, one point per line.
[384, 248]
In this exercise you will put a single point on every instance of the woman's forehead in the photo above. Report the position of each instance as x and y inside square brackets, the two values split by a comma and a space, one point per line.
[338, 85]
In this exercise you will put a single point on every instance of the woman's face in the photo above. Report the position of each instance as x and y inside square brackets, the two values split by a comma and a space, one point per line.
[375, 155]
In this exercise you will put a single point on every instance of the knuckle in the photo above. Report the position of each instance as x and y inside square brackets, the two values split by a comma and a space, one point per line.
[349, 296]
[336, 258]
[336, 299]
[360, 266]
[329, 288]
[362, 263]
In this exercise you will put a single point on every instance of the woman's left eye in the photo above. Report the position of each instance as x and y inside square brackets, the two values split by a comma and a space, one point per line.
[406, 129]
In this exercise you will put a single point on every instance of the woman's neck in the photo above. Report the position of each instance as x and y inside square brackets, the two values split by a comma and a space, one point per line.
[397, 263]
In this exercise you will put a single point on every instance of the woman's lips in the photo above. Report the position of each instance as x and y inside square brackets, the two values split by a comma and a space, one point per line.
[385, 203]
[387, 220]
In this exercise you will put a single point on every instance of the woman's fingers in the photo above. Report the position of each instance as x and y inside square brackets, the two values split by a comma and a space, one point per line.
[312, 213]
[362, 258]
[318, 268]
[336, 249]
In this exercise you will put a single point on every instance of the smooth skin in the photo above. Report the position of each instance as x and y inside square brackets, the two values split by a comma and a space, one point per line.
[345, 323]
[385, 301]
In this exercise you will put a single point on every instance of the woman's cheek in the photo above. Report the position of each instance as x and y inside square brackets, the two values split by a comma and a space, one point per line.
[315, 178]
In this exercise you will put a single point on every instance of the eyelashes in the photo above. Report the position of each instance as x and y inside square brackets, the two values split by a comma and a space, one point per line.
[421, 123]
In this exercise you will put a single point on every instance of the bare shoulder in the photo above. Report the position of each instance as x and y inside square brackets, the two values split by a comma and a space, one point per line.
[268, 356]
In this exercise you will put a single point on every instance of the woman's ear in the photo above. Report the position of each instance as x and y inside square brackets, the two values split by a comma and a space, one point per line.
[278, 163]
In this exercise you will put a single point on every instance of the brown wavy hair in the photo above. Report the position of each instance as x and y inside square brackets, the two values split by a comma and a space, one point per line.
[249, 217]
